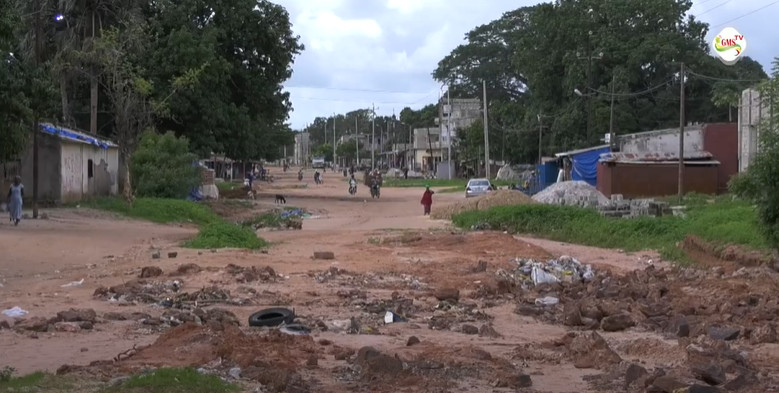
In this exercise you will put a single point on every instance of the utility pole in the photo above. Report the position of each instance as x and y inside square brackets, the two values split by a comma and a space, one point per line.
[449, 135]
[681, 135]
[357, 139]
[36, 124]
[540, 134]
[486, 133]
[373, 136]
[93, 90]
[612, 138]
[333, 140]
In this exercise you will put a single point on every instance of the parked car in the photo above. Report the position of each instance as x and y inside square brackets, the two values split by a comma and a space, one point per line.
[477, 187]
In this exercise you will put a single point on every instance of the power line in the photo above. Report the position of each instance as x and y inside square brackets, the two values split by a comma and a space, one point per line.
[714, 8]
[747, 14]
[723, 79]
[638, 93]
[359, 90]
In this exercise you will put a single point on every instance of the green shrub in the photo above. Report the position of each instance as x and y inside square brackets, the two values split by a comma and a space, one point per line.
[175, 380]
[158, 210]
[223, 234]
[163, 167]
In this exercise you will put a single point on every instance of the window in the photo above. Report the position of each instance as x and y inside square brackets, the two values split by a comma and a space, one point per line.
[90, 169]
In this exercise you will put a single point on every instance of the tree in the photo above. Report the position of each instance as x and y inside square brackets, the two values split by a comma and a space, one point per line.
[532, 66]
[759, 183]
[324, 150]
[164, 167]
[245, 49]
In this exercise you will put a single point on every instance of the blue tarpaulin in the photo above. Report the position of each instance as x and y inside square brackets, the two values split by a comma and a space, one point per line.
[73, 135]
[585, 165]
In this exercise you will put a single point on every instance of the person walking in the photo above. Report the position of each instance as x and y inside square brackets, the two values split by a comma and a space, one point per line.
[427, 199]
[15, 196]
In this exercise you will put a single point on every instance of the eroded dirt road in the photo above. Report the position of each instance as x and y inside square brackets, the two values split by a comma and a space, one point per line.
[475, 323]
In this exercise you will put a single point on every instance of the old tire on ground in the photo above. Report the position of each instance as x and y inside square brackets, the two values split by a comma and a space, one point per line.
[272, 317]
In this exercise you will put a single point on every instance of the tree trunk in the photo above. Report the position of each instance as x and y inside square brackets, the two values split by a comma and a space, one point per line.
[67, 118]
[128, 190]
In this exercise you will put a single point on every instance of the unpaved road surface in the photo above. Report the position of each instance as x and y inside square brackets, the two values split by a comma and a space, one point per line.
[471, 323]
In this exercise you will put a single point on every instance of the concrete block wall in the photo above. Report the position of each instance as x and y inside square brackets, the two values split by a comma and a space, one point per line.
[752, 111]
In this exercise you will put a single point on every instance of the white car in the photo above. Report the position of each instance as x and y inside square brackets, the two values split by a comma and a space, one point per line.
[477, 187]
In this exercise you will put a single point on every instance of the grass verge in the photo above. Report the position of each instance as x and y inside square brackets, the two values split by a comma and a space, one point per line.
[228, 186]
[214, 232]
[176, 380]
[723, 222]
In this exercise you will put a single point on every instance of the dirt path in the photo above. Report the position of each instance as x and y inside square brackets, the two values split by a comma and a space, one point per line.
[387, 257]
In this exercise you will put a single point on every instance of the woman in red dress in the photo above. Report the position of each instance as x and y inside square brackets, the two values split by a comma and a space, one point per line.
[427, 199]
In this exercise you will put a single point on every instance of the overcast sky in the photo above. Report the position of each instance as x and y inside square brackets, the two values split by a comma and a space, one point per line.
[360, 52]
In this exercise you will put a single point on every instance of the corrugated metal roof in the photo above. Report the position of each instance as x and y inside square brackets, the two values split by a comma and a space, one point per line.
[675, 162]
[75, 136]
[579, 151]
[653, 157]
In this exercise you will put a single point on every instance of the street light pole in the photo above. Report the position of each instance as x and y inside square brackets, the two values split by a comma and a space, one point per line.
[486, 134]
[373, 136]
[449, 135]
[612, 138]
[36, 123]
[334, 141]
[357, 139]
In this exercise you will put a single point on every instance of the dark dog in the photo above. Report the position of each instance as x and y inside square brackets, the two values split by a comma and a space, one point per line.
[280, 199]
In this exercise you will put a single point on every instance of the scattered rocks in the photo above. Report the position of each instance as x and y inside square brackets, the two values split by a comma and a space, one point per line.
[680, 326]
[324, 255]
[189, 268]
[67, 327]
[711, 373]
[34, 324]
[480, 267]
[723, 333]
[666, 384]
[590, 350]
[742, 381]
[765, 334]
[251, 274]
[150, 271]
[487, 330]
[234, 372]
[312, 361]
[77, 315]
[572, 315]
[173, 254]
[447, 294]
[343, 353]
[634, 373]
[704, 389]
[469, 329]
[5, 325]
[413, 340]
[617, 322]
[155, 255]
[373, 362]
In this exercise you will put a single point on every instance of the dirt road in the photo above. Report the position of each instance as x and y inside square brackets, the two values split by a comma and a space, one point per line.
[387, 257]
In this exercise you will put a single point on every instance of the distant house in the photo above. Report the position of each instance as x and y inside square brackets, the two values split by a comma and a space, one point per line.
[72, 166]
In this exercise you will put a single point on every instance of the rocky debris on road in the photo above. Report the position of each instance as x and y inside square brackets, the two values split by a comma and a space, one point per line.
[447, 294]
[448, 315]
[138, 291]
[413, 340]
[529, 273]
[589, 350]
[69, 321]
[324, 255]
[150, 272]
[391, 280]
[251, 274]
[187, 268]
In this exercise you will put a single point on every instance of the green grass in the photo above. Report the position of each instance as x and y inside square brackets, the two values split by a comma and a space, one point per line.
[27, 382]
[157, 210]
[214, 231]
[724, 222]
[176, 380]
[226, 235]
[228, 186]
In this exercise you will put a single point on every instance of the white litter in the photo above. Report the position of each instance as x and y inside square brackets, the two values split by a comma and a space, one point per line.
[73, 284]
[14, 312]
[547, 301]
[539, 276]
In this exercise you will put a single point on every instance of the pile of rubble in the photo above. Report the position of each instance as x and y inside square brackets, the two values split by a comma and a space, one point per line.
[529, 273]
[571, 193]
[619, 207]
[344, 277]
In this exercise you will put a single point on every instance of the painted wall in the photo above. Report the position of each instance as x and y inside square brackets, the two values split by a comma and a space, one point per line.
[48, 170]
[654, 180]
[721, 140]
[662, 141]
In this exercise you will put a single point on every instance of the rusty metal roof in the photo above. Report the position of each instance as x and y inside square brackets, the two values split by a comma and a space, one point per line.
[654, 157]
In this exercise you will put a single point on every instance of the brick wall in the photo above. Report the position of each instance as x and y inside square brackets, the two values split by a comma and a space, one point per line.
[207, 175]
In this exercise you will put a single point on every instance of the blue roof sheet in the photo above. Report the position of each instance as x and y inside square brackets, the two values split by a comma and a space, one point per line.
[68, 134]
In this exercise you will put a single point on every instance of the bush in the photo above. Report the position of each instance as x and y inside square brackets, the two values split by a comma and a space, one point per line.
[163, 167]
[226, 235]
[174, 380]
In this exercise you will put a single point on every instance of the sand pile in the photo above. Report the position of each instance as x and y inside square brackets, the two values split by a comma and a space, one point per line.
[495, 198]
[571, 193]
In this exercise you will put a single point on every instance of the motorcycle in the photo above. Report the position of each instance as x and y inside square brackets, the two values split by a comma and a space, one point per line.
[300, 176]
[352, 190]
[375, 191]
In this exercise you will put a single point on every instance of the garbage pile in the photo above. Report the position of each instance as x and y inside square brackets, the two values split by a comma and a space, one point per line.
[294, 213]
[530, 273]
[571, 193]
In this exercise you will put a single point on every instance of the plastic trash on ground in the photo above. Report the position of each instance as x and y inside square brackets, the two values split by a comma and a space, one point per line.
[73, 284]
[547, 301]
[391, 317]
[14, 312]
[529, 272]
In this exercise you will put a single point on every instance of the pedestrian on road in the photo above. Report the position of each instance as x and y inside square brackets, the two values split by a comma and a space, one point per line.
[427, 199]
[15, 196]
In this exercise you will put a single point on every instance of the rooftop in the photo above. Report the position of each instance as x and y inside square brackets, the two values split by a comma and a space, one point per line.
[75, 136]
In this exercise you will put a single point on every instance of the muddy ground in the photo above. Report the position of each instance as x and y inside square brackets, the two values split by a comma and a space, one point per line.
[468, 321]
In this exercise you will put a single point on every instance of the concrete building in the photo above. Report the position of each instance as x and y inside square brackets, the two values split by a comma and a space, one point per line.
[302, 148]
[753, 111]
[72, 166]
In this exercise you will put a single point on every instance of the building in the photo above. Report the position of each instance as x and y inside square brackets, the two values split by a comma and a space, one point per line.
[72, 166]
[752, 112]
[647, 163]
[582, 164]
[302, 148]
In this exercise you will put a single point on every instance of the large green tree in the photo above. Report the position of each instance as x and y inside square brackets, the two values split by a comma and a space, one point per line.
[533, 59]
[245, 49]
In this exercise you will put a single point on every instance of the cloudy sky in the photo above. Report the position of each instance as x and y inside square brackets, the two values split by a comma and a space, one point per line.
[360, 52]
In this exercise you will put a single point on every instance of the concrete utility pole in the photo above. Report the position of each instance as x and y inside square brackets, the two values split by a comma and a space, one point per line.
[93, 91]
[486, 133]
[357, 139]
[449, 135]
[333, 140]
[373, 136]
[540, 134]
[681, 135]
[612, 138]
